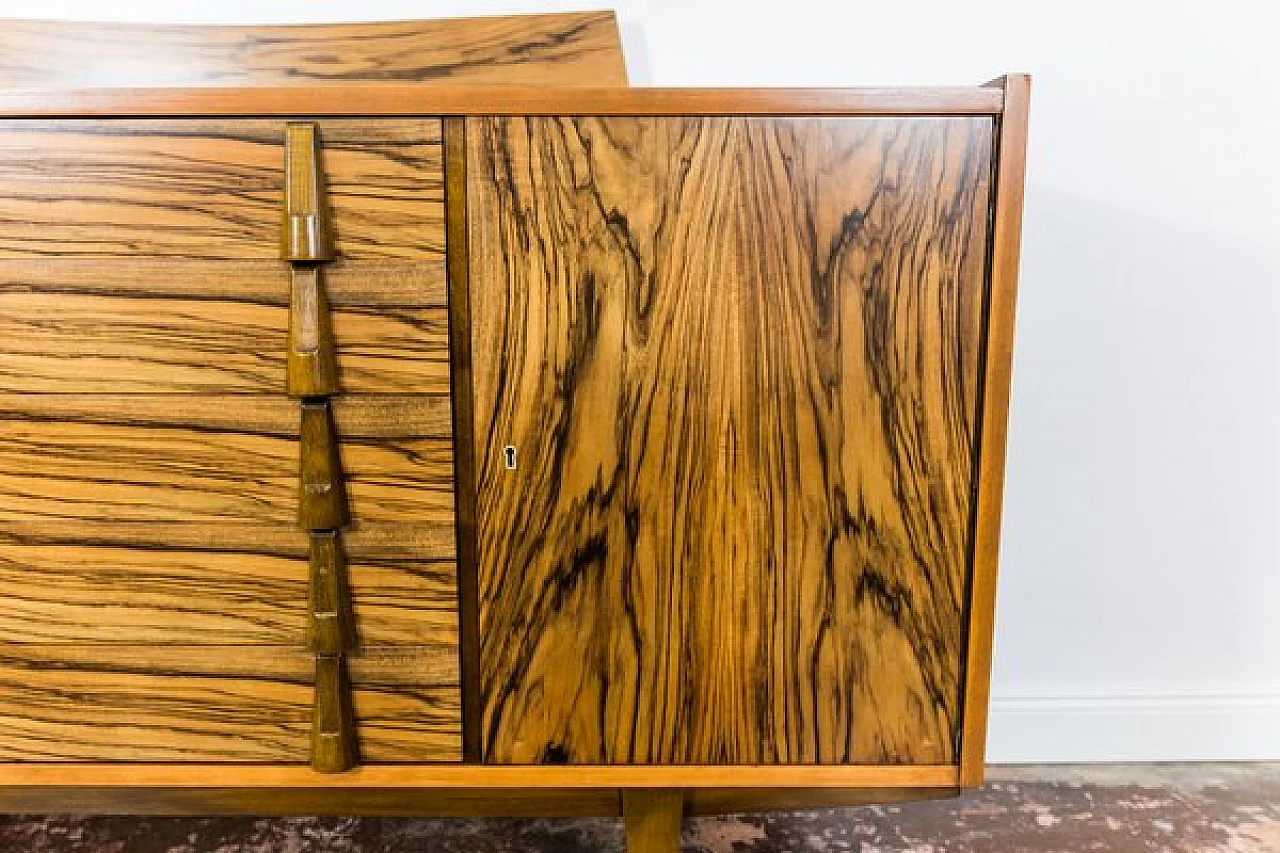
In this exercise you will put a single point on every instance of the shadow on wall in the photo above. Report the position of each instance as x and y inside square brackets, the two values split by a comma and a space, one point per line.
[1143, 488]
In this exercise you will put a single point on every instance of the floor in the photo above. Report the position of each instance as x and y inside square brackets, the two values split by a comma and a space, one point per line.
[1182, 808]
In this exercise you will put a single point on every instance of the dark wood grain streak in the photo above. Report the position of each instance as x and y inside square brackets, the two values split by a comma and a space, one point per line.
[739, 360]
[455, 166]
[564, 48]
[211, 188]
[68, 702]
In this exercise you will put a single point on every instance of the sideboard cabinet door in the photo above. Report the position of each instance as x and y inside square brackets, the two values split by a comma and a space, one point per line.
[726, 374]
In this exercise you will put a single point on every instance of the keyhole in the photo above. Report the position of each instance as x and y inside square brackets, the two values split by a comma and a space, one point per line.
[510, 452]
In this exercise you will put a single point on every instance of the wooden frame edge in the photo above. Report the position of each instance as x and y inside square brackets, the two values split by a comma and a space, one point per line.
[479, 776]
[458, 266]
[1006, 240]
[377, 99]
[457, 802]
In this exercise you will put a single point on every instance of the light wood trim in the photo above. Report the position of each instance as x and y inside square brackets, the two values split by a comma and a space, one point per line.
[400, 99]
[440, 802]
[567, 777]
[1006, 241]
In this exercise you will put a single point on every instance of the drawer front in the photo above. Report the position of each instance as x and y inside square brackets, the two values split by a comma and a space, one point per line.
[738, 360]
[151, 563]
[210, 188]
[216, 704]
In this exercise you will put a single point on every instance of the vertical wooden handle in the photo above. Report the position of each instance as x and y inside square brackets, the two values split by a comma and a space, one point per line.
[312, 364]
[305, 230]
[330, 621]
[322, 499]
[333, 728]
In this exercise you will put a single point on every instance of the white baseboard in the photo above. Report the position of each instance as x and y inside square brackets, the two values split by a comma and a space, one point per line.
[1134, 727]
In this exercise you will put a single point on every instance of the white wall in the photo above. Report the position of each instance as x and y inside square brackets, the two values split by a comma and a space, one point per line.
[1139, 613]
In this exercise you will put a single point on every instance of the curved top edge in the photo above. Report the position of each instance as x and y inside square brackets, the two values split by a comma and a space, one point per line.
[559, 48]
[78, 25]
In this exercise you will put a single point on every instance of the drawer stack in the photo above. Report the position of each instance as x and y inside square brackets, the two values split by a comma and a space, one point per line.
[150, 549]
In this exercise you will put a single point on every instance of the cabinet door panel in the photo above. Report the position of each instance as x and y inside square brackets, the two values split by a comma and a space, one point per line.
[738, 362]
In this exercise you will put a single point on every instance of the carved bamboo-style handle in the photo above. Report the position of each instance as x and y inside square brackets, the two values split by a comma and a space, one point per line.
[312, 376]
[305, 235]
[312, 365]
[330, 622]
[322, 498]
[333, 732]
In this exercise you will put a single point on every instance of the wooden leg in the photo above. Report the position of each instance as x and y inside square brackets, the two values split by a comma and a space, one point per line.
[652, 816]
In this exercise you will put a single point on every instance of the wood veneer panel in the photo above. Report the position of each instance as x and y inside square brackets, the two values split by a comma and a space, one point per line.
[66, 472]
[90, 344]
[211, 188]
[361, 283]
[417, 540]
[565, 48]
[739, 361]
[140, 595]
[64, 702]
[371, 417]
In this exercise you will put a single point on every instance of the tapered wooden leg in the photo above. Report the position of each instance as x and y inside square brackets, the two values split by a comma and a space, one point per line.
[652, 816]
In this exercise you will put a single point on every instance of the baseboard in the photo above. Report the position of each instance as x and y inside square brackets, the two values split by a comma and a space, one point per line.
[1048, 728]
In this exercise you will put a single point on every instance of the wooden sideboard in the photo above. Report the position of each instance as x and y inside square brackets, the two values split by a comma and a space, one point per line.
[641, 450]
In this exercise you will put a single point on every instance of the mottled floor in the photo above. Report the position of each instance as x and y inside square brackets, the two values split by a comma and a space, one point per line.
[1187, 808]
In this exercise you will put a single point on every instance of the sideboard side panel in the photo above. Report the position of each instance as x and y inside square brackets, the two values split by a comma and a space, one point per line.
[1006, 243]
[736, 364]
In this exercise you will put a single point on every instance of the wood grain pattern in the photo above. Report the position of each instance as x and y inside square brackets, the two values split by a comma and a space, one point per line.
[565, 48]
[652, 819]
[322, 488]
[362, 417]
[334, 746]
[1006, 241]
[455, 164]
[416, 540]
[409, 100]
[446, 800]
[88, 344]
[139, 594]
[211, 188]
[304, 226]
[331, 625]
[360, 283]
[67, 702]
[312, 358]
[739, 359]
[481, 776]
[64, 473]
